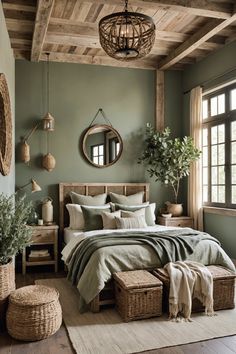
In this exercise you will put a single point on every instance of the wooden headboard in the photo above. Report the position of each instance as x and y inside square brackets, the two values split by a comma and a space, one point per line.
[94, 189]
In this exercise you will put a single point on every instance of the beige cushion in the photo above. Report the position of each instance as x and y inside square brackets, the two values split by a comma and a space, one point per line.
[131, 223]
[149, 210]
[108, 219]
[77, 217]
[136, 198]
[99, 199]
[133, 214]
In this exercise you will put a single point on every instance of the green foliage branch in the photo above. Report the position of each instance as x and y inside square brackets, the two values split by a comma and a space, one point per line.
[14, 232]
[168, 159]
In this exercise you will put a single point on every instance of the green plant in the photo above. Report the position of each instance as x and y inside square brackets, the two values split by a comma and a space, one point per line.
[14, 233]
[168, 159]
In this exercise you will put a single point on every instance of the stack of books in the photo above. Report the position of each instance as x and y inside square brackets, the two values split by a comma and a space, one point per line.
[39, 255]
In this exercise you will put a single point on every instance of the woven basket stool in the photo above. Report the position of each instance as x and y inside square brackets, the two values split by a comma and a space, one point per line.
[138, 295]
[223, 289]
[34, 313]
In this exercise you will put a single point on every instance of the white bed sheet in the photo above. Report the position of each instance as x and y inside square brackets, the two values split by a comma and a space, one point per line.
[70, 234]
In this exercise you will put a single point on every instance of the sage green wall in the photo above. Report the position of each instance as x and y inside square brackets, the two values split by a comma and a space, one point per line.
[127, 96]
[7, 67]
[214, 69]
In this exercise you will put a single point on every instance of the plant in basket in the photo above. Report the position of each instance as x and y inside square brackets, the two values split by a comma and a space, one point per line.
[169, 161]
[14, 236]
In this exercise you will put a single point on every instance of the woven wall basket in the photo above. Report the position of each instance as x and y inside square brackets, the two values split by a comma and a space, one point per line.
[7, 285]
[5, 127]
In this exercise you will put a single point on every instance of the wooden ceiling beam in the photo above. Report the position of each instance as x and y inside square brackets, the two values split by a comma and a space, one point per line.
[19, 25]
[18, 7]
[204, 8]
[98, 60]
[195, 41]
[43, 14]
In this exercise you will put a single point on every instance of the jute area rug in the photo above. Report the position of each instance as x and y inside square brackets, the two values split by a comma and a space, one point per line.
[105, 333]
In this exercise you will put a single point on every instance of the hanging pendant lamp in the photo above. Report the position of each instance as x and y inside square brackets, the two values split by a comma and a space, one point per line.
[127, 35]
[49, 161]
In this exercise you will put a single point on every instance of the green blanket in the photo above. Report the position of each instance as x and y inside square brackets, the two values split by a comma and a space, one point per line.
[168, 246]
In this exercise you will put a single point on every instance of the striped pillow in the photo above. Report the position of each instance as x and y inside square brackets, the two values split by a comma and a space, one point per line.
[131, 223]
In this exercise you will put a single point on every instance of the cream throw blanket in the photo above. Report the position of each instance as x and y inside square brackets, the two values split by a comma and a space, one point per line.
[189, 280]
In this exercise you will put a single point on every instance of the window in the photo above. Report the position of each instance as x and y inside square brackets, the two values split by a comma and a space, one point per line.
[97, 154]
[219, 148]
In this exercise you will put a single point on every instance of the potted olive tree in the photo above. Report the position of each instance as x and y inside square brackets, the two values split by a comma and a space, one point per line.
[14, 236]
[169, 161]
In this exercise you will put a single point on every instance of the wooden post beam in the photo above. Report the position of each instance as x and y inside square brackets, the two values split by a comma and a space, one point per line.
[206, 32]
[160, 100]
[43, 14]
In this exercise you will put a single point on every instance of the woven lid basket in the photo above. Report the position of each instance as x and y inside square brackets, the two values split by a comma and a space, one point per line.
[136, 279]
[34, 295]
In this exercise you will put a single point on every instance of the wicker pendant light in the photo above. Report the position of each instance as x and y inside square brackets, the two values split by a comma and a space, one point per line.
[49, 161]
[127, 35]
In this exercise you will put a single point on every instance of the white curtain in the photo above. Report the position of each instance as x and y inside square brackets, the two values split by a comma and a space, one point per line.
[195, 209]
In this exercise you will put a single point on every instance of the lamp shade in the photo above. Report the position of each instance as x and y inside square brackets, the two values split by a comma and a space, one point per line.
[48, 123]
[35, 187]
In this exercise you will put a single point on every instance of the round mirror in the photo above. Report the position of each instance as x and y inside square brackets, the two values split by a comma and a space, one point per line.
[102, 145]
[5, 127]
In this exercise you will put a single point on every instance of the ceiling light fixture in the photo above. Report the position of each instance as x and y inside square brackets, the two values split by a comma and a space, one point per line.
[127, 35]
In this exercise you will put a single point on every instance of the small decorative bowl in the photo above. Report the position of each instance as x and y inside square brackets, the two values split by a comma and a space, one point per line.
[167, 215]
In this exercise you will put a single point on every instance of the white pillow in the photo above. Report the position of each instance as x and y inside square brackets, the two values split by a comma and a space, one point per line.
[108, 219]
[131, 223]
[76, 214]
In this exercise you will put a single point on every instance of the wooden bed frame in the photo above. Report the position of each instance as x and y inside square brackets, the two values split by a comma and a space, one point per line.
[106, 297]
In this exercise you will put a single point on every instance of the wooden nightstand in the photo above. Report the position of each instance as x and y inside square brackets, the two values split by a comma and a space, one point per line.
[181, 221]
[43, 237]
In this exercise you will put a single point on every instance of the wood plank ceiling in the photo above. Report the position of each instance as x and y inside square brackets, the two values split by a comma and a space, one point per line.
[186, 30]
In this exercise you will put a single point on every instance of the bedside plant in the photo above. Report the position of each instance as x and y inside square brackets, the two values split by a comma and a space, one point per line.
[14, 236]
[169, 160]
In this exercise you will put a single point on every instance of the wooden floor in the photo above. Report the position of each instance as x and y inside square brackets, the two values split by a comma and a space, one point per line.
[60, 343]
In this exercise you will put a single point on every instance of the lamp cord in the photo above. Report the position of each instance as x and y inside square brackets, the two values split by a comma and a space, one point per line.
[48, 102]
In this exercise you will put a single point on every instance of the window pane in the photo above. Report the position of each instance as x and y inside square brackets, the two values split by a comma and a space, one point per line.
[214, 194]
[101, 161]
[95, 160]
[233, 175]
[221, 174]
[233, 152]
[117, 148]
[205, 175]
[205, 137]
[221, 154]
[204, 109]
[95, 151]
[221, 190]
[214, 155]
[205, 156]
[205, 194]
[221, 104]
[214, 106]
[233, 194]
[233, 131]
[233, 99]
[221, 133]
[214, 175]
[214, 135]
[101, 149]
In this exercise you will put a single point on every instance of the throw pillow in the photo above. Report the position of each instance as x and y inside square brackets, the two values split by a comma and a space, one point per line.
[131, 223]
[99, 199]
[93, 218]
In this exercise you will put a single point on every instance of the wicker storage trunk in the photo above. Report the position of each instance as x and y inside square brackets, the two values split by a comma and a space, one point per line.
[223, 289]
[138, 295]
[34, 313]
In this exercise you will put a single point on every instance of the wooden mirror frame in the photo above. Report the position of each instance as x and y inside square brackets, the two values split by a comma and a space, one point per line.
[87, 133]
[5, 128]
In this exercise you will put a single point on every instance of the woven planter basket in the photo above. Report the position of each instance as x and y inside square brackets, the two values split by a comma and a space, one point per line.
[7, 285]
[34, 313]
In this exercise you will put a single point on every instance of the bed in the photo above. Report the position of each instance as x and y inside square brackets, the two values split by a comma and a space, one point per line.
[106, 260]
